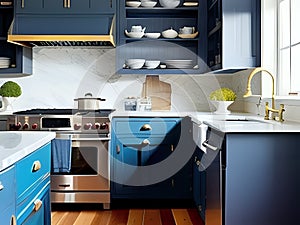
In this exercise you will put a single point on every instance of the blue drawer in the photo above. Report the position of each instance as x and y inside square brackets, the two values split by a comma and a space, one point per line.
[140, 126]
[31, 169]
[7, 190]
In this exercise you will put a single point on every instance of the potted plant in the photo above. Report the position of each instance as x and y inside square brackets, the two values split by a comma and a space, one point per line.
[222, 98]
[9, 91]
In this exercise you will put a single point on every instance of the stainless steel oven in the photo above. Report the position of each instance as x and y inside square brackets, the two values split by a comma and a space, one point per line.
[87, 181]
[81, 148]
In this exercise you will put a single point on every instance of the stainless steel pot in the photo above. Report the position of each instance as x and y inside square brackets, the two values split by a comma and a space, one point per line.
[89, 102]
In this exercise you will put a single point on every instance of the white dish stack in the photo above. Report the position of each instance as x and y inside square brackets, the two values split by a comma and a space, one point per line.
[4, 62]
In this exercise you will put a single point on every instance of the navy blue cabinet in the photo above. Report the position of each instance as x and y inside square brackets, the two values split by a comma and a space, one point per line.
[228, 36]
[142, 164]
[65, 6]
[20, 62]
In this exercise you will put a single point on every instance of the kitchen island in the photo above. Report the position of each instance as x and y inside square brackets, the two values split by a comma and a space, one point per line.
[25, 177]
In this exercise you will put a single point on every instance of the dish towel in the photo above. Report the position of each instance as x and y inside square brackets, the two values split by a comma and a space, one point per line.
[61, 153]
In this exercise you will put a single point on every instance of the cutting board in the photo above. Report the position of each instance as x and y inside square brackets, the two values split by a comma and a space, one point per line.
[158, 91]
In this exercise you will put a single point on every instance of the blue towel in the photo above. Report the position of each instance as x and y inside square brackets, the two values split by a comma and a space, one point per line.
[61, 153]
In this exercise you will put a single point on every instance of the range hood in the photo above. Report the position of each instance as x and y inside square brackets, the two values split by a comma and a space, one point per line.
[74, 31]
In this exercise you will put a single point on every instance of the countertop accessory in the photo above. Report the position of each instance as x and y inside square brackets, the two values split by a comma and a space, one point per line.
[148, 3]
[267, 108]
[135, 63]
[169, 33]
[134, 4]
[169, 3]
[222, 106]
[144, 104]
[130, 104]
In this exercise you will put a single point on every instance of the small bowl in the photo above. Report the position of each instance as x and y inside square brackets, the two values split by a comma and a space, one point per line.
[169, 3]
[148, 3]
[152, 35]
[135, 63]
[152, 64]
[134, 34]
[134, 4]
[170, 33]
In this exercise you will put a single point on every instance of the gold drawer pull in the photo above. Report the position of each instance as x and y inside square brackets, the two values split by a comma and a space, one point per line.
[1, 187]
[37, 204]
[36, 166]
[145, 127]
[13, 220]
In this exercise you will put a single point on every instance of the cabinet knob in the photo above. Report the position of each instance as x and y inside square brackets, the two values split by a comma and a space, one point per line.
[145, 127]
[36, 166]
[37, 204]
[118, 149]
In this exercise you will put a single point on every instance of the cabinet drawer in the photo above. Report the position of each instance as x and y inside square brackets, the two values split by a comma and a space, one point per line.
[145, 126]
[32, 168]
[7, 190]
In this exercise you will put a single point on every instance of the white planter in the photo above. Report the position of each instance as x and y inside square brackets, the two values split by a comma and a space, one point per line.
[7, 103]
[222, 106]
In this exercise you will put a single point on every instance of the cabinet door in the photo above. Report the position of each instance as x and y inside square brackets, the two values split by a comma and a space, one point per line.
[107, 6]
[29, 6]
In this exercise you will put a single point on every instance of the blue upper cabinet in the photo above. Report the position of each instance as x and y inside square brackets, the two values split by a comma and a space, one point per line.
[20, 59]
[233, 34]
[227, 38]
[65, 6]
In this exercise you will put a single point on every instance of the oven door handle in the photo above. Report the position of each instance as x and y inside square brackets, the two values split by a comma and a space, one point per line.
[91, 139]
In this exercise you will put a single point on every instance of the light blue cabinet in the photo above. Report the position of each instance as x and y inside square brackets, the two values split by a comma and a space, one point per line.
[7, 196]
[141, 149]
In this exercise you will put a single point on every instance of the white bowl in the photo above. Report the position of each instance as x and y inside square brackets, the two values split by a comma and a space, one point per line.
[152, 35]
[134, 34]
[169, 3]
[134, 4]
[135, 63]
[170, 33]
[148, 3]
[152, 64]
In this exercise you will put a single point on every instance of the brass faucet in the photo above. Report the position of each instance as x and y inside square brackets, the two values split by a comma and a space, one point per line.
[267, 108]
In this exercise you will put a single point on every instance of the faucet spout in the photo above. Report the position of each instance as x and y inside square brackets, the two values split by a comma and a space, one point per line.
[249, 93]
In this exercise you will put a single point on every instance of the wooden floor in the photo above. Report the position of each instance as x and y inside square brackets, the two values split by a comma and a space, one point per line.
[122, 216]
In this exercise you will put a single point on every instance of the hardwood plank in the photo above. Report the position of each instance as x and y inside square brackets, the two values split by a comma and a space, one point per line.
[167, 217]
[152, 216]
[85, 217]
[195, 217]
[101, 218]
[135, 217]
[118, 217]
[181, 217]
[56, 217]
[68, 218]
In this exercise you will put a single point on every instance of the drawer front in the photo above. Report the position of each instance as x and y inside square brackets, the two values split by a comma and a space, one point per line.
[32, 168]
[7, 187]
[145, 126]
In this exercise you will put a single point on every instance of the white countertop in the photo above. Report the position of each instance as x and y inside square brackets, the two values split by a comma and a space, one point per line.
[245, 123]
[15, 145]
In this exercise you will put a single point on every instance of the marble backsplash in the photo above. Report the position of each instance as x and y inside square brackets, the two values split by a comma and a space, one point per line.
[62, 74]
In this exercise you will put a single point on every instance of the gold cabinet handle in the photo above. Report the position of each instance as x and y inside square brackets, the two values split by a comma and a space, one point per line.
[13, 220]
[1, 187]
[23, 4]
[37, 205]
[69, 3]
[172, 148]
[146, 127]
[36, 166]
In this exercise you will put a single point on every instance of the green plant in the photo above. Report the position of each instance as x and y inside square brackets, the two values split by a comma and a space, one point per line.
[222, 94]
[10, 89]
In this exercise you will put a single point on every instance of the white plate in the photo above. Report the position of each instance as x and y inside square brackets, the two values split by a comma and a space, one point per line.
[152, 35]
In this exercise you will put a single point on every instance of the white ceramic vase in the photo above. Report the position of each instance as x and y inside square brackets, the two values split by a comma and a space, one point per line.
[7, 103]
[222, 106]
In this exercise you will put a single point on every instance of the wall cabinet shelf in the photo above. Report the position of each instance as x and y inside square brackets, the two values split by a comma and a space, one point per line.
[20, 58]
